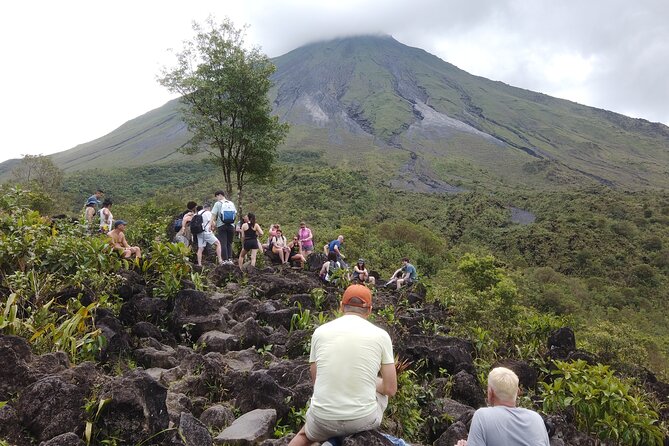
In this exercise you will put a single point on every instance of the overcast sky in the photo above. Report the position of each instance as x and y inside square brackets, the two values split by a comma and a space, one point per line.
[73, 71]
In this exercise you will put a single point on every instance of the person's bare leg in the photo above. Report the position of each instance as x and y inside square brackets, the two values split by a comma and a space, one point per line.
[241, 258]
[200, 249]
[254, 253]
[300, 439]
[218, 253]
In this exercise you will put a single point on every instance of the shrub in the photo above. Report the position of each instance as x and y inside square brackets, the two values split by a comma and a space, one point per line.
[602, 404]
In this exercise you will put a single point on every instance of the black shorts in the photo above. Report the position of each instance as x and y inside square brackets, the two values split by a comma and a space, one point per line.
[250, 244]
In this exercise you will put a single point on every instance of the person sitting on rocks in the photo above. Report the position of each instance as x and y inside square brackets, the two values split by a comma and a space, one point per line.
[271, 233]
[346, 357]
[405, 275]
[280, 246]
[361, 274]
[119, 242]
[502, 423]
[295, 254]
[329, 268]
[250, 233]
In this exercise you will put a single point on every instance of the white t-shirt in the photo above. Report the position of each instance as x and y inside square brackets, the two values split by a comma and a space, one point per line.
[206, 221]
[348, 353]
[504, 426]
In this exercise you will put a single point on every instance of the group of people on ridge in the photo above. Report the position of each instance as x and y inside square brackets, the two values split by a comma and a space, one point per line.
[215, 226]
[115, 229]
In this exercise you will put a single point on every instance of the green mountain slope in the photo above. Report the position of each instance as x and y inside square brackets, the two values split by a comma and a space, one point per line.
[429, 125]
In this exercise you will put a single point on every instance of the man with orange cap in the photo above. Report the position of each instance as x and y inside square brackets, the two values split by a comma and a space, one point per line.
[347, 355]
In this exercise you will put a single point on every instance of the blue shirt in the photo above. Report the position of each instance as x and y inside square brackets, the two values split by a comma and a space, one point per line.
[334, 243]
[411, 270]
[505, 426]
[93, 201]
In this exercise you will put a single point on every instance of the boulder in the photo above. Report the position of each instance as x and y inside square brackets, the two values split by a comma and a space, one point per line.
[260, 390]
[136, 410]
[191, 432]
[195, 313]
[10, 427]
[242, 309]
[562, 338]
[151, 357]
[467, 389]
[118, 341]
[217, 341]
[367, 438]
[288, 283]
[217, 417]
[66, 439]
[15, 372]
[146, 329]
[527, 375]
[177, 404]
[142, 308]
[250, 334]
[441, 352]
[456, 431]
[52, 406]
[249, 429]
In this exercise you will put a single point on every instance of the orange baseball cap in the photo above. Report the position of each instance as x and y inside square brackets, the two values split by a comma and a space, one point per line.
[359, 291]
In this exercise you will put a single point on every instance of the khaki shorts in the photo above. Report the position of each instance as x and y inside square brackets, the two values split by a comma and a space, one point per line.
[206, 238]
[318, 429]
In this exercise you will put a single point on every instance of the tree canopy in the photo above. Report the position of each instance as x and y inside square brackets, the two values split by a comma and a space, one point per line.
[224, 86]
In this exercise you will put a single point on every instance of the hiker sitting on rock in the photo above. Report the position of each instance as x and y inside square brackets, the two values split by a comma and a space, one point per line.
[280, 246]
[329, 268]
[405, 275]
[502, 423]
[295, 254]
[361, 274]
[346, 357]
[119, 242]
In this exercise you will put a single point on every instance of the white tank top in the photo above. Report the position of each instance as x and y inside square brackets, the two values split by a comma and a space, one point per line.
[106, 225]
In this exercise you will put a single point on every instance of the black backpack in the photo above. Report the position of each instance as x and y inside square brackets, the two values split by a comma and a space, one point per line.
[196, 224]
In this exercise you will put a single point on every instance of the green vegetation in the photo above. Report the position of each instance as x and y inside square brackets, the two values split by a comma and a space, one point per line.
[594, 260]
[602, 404]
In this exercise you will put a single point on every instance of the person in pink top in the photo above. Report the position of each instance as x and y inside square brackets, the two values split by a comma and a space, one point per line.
[306, 239]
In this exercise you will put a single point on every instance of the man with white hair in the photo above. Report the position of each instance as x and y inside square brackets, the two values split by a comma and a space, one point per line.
[504, 424]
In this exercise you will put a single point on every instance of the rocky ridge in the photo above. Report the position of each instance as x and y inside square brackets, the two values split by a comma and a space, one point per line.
[225, 367]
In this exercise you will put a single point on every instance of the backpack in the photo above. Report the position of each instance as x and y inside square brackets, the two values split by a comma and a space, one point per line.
[228, 212]
[178, 222]
[196, 224]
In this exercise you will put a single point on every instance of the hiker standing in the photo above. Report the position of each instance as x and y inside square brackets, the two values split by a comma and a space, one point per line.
[224, 214]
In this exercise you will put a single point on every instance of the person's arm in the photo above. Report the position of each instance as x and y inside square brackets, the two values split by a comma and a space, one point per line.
[124, 242]
[387, 383]
[313, 370]
[324, 268]
[309, 237]
[214, 215]
[258, 229]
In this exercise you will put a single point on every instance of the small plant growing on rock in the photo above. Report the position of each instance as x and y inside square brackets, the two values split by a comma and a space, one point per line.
[318, 295]
[300, 320]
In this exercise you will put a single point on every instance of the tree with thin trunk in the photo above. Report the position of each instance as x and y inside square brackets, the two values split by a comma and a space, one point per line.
[224, 90]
